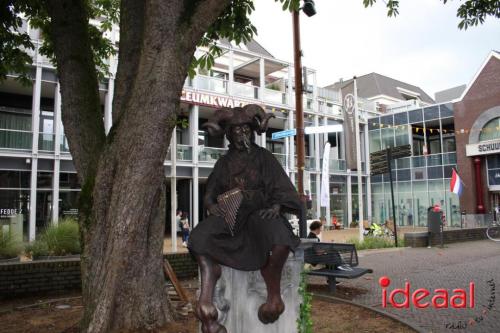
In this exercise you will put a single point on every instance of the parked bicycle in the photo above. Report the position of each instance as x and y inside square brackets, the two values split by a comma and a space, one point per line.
[493, 231]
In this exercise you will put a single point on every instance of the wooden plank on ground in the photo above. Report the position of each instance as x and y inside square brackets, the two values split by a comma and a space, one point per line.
[169, 272]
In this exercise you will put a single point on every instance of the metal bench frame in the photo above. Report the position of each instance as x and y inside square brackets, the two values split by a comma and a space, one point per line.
[333, 255]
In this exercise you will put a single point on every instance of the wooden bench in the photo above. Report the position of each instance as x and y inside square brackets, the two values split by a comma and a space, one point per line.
[340, 261]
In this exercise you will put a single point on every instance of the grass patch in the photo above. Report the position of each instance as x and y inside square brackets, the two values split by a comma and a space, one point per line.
[375, 242]
[9, 246]
[57, 240]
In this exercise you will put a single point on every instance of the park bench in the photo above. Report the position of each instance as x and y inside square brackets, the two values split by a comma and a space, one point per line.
[339, 260]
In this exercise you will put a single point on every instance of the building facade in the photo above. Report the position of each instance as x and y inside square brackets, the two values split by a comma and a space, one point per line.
[38, 183]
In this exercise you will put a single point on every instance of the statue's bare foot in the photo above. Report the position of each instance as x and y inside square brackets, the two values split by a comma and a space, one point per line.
[207, 314]
[270, 311]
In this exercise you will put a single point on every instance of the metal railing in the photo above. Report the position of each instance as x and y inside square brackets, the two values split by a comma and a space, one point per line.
[184, 153]
[211, 84]
[16, 139]
[210, 154]
[281, 158]
[329, 94]
[275, 96]
[245, 90]
[46, 141]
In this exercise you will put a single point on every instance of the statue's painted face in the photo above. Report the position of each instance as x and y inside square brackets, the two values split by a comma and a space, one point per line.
[241, 136]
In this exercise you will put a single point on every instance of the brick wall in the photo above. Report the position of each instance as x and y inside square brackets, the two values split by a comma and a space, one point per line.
[58, 275]
[420, 239]
[39, 276]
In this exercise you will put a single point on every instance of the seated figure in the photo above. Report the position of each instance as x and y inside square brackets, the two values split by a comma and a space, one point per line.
[249, 231]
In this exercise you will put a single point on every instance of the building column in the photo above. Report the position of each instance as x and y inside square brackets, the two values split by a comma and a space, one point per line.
[479, 186]
[57, 153]
[368, 177]
[108, 105]
[291, 149]
[193, 124]
[262, 78]
[230, 85]
[349, 198]
[35, 124]
[290, 99]
[173, 189]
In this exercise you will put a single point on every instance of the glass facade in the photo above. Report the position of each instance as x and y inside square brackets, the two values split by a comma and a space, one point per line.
[423, 179]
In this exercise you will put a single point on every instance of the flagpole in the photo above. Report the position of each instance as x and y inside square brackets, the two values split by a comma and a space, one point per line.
[358, 155]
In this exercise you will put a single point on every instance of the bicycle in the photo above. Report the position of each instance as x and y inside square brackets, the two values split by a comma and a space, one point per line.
[493, 231]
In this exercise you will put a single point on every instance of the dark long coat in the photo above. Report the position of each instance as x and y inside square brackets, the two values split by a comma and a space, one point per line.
[264, 183]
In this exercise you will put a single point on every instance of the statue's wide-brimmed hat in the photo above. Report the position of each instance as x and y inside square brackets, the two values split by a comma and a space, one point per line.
[225, 118]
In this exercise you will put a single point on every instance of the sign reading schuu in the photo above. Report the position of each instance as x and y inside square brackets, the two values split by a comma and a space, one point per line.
[483, 148]
[349, 126]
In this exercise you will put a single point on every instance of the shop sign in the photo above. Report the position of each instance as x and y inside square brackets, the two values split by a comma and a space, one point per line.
[483, 148]
[216, 101]
[6, 213]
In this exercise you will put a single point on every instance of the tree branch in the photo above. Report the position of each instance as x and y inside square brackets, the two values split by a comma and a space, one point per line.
[81, 109]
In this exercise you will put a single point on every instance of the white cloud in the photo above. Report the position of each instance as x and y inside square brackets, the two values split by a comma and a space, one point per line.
[421, 46]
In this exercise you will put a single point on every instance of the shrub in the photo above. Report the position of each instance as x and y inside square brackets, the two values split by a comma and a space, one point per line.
[9, 246]
[375, 242]
[57, 240]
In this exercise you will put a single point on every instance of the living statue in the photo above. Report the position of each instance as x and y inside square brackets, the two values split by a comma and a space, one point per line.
[260, 237]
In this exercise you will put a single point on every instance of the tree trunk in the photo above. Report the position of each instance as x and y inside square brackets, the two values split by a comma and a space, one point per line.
[122, 175]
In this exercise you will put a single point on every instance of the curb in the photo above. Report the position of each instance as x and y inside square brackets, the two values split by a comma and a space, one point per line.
[386, 314]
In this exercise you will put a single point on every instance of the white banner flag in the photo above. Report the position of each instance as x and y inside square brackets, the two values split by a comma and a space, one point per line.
[325, 177]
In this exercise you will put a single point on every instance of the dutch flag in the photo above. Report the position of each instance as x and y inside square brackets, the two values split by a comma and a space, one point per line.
[456, 185]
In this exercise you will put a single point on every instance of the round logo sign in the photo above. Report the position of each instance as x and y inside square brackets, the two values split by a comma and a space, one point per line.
[349, 103]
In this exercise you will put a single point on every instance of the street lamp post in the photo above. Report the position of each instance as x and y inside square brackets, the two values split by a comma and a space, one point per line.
[309, 10]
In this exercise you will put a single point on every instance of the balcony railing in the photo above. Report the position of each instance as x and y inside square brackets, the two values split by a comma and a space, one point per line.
[212, 84]
[331, 95]
[245, 90]
[63, 145]
[46, 141]
[275, 96]
[210, 154]
[281, 158]
[309, 162]
[184, 153]
[15, 139]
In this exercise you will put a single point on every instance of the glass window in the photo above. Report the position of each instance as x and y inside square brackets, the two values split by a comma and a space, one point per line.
[420, 203]
[375, 143]
[404, 174]
[491, 130]
[387, 120]
[448, 170]
[387, 137]
[401, 118]
[419, 173]
[68, 181]
[431, 112]
[44, 180]
[373, 123]
[415, 116]
[402, 136]
[446, 110]
[435, 172]
[15, 179]
[68, 203]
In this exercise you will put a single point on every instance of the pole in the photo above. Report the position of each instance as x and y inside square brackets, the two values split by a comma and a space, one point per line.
[300, 119]
[358, 154]
[389, 166]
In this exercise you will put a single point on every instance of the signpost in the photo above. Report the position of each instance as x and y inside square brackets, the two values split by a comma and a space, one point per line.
[380, 163]
[284, 134]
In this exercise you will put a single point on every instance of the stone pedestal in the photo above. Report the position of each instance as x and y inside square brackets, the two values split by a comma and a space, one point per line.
[239, 294]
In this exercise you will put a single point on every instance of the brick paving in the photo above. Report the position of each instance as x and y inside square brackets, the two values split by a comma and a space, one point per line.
[452, 267]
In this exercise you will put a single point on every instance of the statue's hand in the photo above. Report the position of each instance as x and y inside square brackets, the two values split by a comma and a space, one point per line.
[214, 209]
[270, 213]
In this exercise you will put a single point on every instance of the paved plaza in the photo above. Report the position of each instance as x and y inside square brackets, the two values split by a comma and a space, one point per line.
[453, 267]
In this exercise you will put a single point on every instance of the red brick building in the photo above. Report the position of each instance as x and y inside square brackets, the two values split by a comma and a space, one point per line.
[477, 128]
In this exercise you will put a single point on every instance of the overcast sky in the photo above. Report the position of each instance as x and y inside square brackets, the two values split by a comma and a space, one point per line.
[421, 46]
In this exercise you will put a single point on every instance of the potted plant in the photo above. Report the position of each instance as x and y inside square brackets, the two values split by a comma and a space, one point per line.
[57, 241]
[9, 247]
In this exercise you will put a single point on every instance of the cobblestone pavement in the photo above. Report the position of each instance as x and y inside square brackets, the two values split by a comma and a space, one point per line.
[453, 267]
